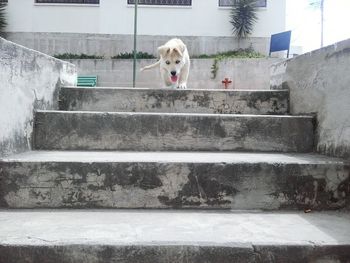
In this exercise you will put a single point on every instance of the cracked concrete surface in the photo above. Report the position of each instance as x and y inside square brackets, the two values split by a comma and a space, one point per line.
[319, 83]
[29, 80]
[82, 130]
[174, 179]
[106, 227]
[174, 236]
[172, 100]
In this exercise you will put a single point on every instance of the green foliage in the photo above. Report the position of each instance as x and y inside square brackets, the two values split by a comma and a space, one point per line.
[204, 56]
[214, 68]
[139, 55]
[3, 22]
[240, 53]
[126, 55]
[316, 3]
[243, 17]
[76, 56]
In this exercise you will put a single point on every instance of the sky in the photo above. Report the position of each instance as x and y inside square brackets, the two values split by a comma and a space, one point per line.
[304, 21]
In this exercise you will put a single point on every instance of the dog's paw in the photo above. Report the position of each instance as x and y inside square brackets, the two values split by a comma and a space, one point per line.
[182, 86]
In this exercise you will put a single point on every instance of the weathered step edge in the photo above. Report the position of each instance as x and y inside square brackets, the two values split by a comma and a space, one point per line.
[67, 130]
[151, 184]
[153, 253]
[174, 101]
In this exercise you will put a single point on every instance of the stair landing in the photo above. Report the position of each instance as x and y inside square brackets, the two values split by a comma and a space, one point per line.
[173, 236]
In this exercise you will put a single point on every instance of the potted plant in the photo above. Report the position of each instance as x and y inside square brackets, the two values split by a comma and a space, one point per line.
[243, 17]
[3, 22]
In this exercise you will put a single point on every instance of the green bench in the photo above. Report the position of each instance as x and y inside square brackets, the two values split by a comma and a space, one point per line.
[87, 81]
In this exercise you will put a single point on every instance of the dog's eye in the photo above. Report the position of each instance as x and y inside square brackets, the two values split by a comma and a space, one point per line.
[167, 62]
[177, 61]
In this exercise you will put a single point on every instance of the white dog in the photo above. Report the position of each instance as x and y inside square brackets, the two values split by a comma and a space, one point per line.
[174, 64]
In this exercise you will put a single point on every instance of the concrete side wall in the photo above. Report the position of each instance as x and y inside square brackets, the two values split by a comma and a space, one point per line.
[29, 80]
[244, 73]
[110, 45]
[203, 18]
[319, 82]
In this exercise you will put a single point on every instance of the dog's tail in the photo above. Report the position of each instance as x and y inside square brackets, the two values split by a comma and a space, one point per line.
[151, 66]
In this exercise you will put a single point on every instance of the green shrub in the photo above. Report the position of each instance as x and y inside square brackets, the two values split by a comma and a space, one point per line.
[239, 53]
[203, 56]
[128, 55]
[76, 56]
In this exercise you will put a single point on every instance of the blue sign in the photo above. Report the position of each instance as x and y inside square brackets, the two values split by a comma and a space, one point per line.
[280, 42]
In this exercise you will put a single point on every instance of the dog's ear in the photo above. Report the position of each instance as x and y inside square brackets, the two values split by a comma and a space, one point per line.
[178, 51]
[163, 50]
[182, 47]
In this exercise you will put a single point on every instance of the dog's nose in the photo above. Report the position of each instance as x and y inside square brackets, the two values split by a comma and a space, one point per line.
[173, 73]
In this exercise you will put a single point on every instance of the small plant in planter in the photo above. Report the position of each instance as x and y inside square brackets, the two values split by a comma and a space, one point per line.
[3, 22]
[243, 17]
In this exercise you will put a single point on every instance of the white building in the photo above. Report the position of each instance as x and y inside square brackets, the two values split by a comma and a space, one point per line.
[203, 21]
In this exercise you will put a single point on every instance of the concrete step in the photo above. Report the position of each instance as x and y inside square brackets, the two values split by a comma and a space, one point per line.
[174, 101]
[67, 130]
[34, 236]
[204, 180]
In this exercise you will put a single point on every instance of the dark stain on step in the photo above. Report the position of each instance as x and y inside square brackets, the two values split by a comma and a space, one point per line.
[204, 188]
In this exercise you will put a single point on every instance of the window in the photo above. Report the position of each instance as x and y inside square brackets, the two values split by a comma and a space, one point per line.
[259, 3]
[162, 2]
[93, 2]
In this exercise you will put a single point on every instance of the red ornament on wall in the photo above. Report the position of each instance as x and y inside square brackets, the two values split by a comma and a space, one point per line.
[226, 82]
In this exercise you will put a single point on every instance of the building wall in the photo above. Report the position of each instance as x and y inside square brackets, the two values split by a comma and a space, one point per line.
[319, 83]
[204, 18]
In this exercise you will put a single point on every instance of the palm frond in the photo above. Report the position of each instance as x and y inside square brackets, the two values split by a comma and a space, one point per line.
[3, 22]
[315, 3]
[243, 17]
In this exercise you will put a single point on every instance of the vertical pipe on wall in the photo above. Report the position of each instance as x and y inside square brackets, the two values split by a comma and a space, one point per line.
[135, 46]
[322, 21]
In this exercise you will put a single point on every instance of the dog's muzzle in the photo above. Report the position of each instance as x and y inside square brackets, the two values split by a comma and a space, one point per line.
[174, 78]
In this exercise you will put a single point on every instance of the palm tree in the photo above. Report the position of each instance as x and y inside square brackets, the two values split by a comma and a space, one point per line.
[319, 4]
[3, 22]
[243, 17]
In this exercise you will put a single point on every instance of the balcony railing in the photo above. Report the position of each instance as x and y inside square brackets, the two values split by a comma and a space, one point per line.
[89, 2]
[163, 2]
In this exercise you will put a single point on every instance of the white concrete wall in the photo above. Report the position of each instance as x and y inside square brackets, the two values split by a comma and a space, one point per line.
[319, 83]
[110, 45]
[204, 18]
[250, 74]
[29, 80]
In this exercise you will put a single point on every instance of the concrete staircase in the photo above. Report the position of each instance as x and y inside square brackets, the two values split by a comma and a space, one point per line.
[242, 167]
